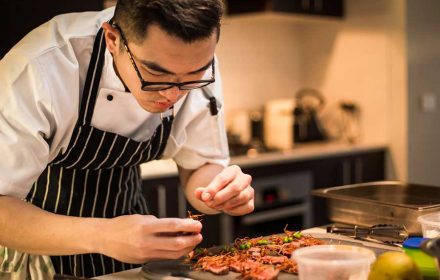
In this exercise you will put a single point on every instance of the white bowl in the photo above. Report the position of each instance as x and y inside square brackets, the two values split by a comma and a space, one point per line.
[430, 224]
[324, 262]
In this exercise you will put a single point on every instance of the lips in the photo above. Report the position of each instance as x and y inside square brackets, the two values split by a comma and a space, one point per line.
[162, 104]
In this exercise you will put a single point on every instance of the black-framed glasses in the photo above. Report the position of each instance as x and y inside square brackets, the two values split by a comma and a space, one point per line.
[157, 86]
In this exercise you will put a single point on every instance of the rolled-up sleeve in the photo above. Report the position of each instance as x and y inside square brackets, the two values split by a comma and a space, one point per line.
[197, 136]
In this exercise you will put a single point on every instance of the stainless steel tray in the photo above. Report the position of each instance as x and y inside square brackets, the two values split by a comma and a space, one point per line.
[384, 202]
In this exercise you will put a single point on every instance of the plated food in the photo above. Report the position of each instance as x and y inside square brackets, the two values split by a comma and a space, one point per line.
[261, 258]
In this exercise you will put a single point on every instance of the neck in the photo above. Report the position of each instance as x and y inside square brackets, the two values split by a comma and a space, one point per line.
[119, 76]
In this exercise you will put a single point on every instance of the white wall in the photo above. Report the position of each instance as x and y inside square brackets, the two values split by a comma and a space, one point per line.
[423, 41]
[259, 59]
[384, 55]
[398, 98]
[266, 56]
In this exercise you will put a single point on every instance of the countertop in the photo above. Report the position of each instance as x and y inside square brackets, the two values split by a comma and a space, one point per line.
[167, 168]
[135, 274]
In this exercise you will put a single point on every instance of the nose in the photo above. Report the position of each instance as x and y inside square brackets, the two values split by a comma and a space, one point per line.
[172, 94]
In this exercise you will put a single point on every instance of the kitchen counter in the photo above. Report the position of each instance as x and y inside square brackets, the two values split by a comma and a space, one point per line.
[301, 152]
[135, 274]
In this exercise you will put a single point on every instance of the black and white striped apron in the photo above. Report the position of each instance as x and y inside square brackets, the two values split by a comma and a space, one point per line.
[97, 176]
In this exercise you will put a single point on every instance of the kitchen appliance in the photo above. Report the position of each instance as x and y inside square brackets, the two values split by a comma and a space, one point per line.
[257, 132]
[246, 133]
[278, 123]
[307, 126]
[343, 122]
[392, 234]
[238, 132]
[383, 202]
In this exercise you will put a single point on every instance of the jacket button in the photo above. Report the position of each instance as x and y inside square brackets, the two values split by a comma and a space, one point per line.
[109, 97]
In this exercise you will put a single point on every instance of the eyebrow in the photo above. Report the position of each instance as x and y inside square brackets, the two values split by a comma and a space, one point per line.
[156, 67]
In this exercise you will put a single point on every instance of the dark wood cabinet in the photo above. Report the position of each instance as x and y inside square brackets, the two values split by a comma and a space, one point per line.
[19, 17]
[276, 207]
[246, 6]
[165, 199]
[332, 8]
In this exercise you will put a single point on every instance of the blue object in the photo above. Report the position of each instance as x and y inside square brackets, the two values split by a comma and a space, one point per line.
[414, 242]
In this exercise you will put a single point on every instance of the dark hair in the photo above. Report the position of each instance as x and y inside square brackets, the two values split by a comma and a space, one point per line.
[189, 20]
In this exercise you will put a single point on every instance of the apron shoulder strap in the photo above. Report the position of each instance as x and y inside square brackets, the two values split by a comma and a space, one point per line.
[93, 78]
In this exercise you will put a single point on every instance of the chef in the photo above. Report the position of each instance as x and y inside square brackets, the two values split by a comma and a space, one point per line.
[84, 100]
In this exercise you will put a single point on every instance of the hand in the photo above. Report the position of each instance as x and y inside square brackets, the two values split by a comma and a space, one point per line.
[142, 238]
[230, 191]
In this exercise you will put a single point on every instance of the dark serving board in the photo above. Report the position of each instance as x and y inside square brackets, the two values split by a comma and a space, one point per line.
[177, 269]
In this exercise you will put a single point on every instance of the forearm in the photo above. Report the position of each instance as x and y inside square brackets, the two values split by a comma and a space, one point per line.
[30, 229]
[201, 177]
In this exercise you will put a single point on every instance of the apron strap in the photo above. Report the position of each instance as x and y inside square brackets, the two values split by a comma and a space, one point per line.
[93, 78]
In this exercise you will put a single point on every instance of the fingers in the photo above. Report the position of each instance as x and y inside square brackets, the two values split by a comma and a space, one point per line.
[139, 238]
[165, 247]
[198, 193]
[165, 254]
[220, 181]
[242, 198]
[233, 189]
[175, 225]
[177, 243]
[243, 209]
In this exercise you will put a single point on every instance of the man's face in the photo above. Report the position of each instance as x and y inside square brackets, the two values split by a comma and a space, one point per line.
[163, 58]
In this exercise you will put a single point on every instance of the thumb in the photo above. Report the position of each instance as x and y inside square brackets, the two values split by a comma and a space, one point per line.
[219, 182]
[198, 193]
[204, 194]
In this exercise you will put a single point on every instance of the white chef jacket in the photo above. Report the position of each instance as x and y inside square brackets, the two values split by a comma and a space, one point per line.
[41, 82]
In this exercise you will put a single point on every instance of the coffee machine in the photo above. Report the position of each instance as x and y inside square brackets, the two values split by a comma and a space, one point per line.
[307, 126]
[278, 123]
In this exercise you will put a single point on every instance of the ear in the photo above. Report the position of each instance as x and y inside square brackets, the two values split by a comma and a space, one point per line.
[112, 38]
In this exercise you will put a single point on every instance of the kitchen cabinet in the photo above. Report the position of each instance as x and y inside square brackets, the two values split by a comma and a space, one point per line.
[246, 6]
[165, 198]
[333, 8]
[282, 194]
[19, 17]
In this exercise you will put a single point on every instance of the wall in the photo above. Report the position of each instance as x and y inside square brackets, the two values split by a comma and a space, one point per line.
[355, 66]
[265, 56]
[397, 116]
[385, 55]
[259, 59]
[423, 41]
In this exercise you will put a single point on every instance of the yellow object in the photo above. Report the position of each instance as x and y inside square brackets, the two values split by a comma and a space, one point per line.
[394, 266]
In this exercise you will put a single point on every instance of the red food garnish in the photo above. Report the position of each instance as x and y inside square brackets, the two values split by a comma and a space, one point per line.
[194, 216]
[260, 258]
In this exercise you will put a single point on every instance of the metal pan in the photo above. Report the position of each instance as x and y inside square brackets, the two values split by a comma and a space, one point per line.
[384, 202]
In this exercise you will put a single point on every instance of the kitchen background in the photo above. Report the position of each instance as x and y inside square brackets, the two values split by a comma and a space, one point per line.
[381, 58]
[383, 55]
